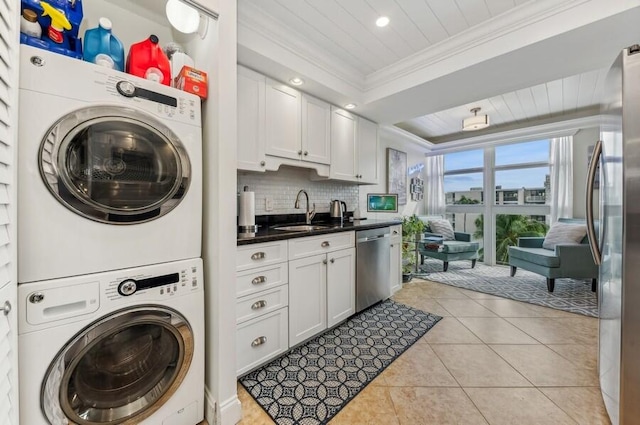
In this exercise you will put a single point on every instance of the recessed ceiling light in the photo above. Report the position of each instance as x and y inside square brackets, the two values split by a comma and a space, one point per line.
[382, 21]
[296, 81]
[350, 106]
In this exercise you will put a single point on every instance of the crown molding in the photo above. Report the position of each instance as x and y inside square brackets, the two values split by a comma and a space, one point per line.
[542, 131]
[398, 133]
[459, 44]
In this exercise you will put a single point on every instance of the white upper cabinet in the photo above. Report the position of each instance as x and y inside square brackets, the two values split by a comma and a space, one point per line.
[283, 124]
[367, 150]
[343, 145]
[316, 130]
[354, 148]
[251, 116]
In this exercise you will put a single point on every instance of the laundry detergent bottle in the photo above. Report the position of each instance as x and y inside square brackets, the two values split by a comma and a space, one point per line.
[102, 47]
[147, 60]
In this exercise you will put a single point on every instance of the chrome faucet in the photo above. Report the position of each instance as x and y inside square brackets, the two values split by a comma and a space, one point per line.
[308, 214]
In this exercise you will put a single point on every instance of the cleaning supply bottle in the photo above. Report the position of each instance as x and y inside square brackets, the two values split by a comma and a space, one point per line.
[102, 47]
[147, 60]
[29, 24]
[59, 23]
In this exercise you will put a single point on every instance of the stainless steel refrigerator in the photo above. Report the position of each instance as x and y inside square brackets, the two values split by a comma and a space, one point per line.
[617, 246]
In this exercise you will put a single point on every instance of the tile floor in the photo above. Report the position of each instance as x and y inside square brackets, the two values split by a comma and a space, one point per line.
[490, 360]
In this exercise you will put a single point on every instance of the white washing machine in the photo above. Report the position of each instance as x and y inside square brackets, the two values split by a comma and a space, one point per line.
[119, 347]
[109, 169]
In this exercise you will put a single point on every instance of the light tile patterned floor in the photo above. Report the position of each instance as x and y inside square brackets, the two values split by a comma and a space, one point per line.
[488, 361]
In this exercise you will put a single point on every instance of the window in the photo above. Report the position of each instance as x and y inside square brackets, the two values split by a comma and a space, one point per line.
[520, 178]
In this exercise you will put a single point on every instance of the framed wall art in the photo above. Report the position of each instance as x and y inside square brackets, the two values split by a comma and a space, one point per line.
[397, 174]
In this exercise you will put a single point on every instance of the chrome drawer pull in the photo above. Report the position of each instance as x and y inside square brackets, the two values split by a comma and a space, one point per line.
[325, 244]
[6, 309]
[258, 305]
[259, 341]
[258, 280]
[258, 256]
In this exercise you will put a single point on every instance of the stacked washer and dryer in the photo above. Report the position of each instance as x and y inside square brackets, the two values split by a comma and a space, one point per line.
[111, 305]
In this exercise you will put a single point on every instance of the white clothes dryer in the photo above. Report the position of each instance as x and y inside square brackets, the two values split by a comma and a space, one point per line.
[109, 169]
[118, 347]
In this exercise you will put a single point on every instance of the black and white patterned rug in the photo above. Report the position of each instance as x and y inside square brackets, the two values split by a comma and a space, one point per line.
[572, 295]
[312, 382]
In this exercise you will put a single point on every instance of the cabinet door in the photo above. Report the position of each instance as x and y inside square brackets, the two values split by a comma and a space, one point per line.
[251, 120]
[341, 285]
[8, 355]
[396, 264]
[343, 145]
[316, 130]
[283, 131]
[367, 151]
[307, 297]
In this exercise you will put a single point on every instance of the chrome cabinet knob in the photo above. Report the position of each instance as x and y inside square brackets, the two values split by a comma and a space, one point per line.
[262, 163]
[6, 309]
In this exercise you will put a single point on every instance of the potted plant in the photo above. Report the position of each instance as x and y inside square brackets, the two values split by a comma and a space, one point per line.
[412, 228]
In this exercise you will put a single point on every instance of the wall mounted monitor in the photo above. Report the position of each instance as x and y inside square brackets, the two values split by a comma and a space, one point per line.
[382, 202]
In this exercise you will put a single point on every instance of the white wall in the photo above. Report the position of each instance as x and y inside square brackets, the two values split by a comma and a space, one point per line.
[415, 155]
[581, 142]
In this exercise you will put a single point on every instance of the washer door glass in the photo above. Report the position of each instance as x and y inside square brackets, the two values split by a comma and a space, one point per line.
[114, 165]
[119, 369]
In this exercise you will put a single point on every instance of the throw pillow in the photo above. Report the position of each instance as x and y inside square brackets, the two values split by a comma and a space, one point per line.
[442, 228]
[564, 233]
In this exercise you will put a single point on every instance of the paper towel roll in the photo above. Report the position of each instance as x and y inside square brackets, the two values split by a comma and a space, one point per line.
[247, 209]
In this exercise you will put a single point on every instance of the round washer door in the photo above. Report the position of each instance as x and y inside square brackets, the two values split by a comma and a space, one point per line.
[114, 165]
[120, 369]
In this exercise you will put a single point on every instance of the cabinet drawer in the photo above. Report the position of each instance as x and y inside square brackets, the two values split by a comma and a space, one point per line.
[255, 280]
[313, 245]
[261, 339]
[262, 254]
[261, 303]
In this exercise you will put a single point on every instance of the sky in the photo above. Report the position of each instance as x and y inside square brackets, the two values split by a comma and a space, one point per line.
[518, 153]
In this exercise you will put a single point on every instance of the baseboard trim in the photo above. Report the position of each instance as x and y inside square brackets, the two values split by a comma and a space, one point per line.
[228, 412]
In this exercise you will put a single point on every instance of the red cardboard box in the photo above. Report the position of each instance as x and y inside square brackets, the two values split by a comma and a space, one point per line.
[193, 81]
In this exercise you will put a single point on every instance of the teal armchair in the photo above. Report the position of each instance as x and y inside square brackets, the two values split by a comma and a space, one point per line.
[572, 260]
[462, 248]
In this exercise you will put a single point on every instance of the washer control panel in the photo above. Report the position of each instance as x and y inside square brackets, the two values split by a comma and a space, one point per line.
[178, 282]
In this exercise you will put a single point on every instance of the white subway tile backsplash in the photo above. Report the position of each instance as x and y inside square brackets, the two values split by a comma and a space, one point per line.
[283, 185]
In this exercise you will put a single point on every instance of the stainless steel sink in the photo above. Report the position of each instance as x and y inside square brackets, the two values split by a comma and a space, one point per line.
[300, 228]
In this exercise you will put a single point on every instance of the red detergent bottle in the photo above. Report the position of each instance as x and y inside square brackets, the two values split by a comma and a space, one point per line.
[147, 60]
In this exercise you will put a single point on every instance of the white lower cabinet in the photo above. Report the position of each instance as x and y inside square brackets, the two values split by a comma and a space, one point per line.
[308, 297]
[341, 285]
[322, 283]
[396, 258]
[262, 299]
[261, 339]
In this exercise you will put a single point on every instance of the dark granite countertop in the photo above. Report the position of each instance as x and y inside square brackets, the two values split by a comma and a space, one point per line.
[267, 233]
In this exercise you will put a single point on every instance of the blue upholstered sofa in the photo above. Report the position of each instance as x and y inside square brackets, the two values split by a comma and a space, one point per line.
[572, 260]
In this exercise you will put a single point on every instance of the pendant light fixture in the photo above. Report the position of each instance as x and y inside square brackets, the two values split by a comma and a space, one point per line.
[476, 122]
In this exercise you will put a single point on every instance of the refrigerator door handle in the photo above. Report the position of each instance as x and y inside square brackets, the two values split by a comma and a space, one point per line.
[591, 178]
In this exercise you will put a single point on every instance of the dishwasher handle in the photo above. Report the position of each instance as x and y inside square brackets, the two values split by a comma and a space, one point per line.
[373, 238]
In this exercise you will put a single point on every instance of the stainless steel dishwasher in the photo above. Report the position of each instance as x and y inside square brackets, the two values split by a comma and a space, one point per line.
[373, 262]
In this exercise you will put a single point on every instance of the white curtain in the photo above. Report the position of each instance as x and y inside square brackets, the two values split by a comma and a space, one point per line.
[434, 200]
[561, 198]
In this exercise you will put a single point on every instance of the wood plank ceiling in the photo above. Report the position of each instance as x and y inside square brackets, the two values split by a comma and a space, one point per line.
[341, 37]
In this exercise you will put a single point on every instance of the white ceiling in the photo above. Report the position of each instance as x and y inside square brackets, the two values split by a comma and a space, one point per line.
[520, 61]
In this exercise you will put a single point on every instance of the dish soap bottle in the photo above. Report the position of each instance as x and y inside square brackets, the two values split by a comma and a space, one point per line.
[102, 47]
[29, 24]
